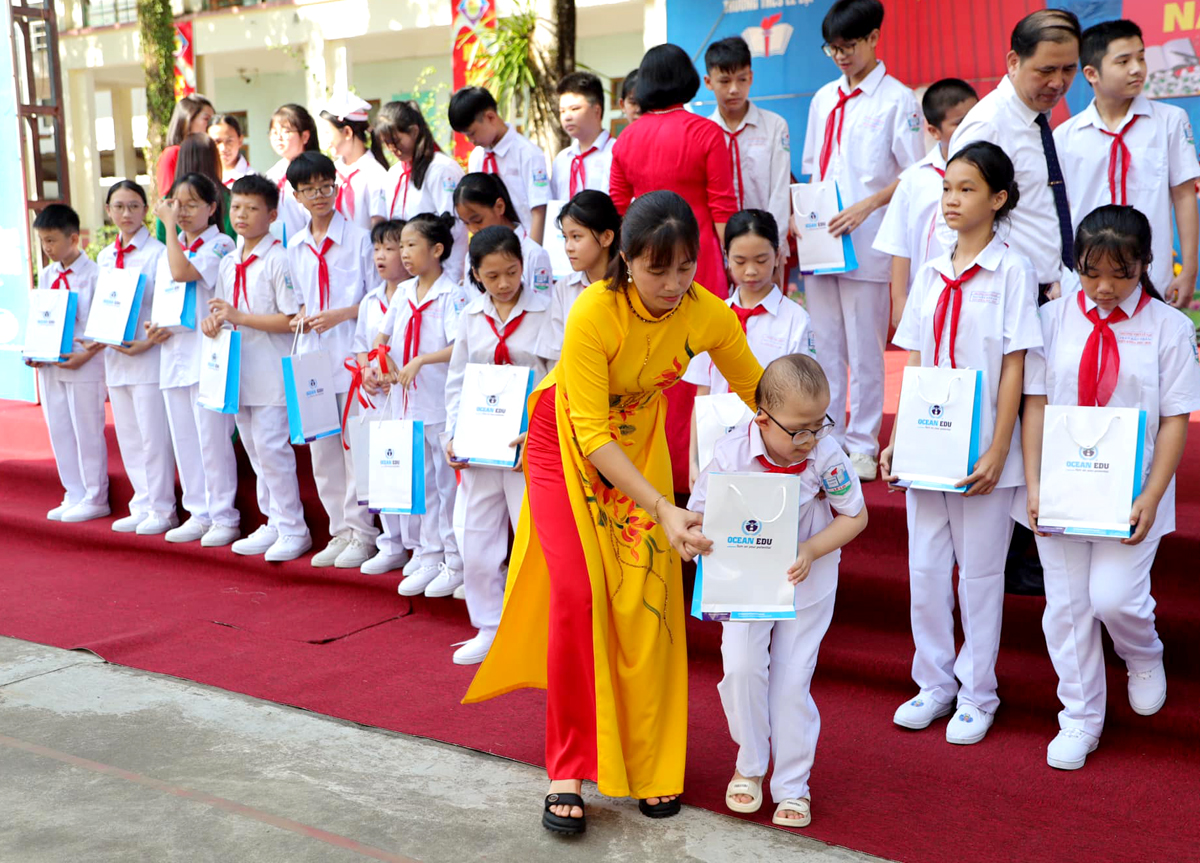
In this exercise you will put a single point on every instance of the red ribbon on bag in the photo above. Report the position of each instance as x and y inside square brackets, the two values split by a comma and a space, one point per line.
[356, 391]
[380, 352]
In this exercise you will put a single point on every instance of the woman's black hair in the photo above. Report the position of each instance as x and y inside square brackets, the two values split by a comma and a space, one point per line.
[396, 117]
[125, 184]
[758, 223]
[596, 212]
[484, 190]
[665, 78]
[996, 168]
[491, 240]
[227, 120]
[360, 129]
[300, 120]
[1121, 234]
[656, 224]
[204, 189]
[435, 229]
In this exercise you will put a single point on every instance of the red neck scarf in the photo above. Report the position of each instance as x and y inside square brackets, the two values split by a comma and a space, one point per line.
[490, 166]
[578, 171]
[412, 330]
[322, 272]
[735, 156]
[501, 357]
[1101, 361]
[239, 280]
[343, 187]
[744, 315]
[951, 296]
[122, 252]
[195, 246]
[405, 179]
[61, 281]
[1118, 152]
[833, 128]
[770, 467]
[282, 182]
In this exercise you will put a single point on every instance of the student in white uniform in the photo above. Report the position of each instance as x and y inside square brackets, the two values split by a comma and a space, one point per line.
[226, 130]
[254, 294]
[131, 372]
[361, 165]
[590, 224]
[293, 131]
[912, 231]
[499, 327]
[973, 307]
[502, 150]
[1127, 149]
[774, 325]
[419, 327]
[769, 665]
[423, 179]
[332, 262]
[585, 163]
[1143, 355]
[73, 390]
[201, 438]
[863, 129]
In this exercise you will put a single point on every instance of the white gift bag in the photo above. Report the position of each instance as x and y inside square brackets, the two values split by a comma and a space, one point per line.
[716, 416]
[174, 306]
[819, 252]
[937, 427]
[492, 412]
[113, 318]
[221, 371]
[358, 437]
[397, 466]
[1091, 470]
[50, 326]
[753, 520]
[311, 401]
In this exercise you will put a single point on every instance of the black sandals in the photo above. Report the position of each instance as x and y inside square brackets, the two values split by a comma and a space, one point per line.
[563, 823]
[661, 809]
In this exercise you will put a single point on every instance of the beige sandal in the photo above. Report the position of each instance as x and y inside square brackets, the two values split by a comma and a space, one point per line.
[749, 787]
[799, 806]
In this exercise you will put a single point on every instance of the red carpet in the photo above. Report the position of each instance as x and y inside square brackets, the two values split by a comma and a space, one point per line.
[344, 644]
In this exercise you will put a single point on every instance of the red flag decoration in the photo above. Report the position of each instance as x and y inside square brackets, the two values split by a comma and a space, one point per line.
[469, 18]
[185, 60]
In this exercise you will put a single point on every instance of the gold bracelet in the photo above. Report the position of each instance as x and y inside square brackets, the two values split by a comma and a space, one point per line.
[657, 501]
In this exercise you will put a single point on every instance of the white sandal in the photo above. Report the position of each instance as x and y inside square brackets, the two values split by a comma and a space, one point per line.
[749, 787]
[799, 806]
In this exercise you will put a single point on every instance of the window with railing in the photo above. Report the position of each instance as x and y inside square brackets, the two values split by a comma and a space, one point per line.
[98, 13]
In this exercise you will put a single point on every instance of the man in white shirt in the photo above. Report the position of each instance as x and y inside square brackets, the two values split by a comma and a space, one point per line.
[585, 163]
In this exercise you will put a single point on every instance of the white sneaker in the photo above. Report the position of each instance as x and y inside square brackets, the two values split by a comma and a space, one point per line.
[329, 555]
[460, 592]
[190, 531]
[415, 584]
[921, 711]
[476, 650]
[56, 514]
[1147, 689]
[384, 562]
[445, 584]
[256, 543]
[1070, 749]
[414, 563]
[129, 524]
[968, 725]
[219, 535]
[866, 466]
[85, 512]
[156, 524]
[354, 555]
[288, 548]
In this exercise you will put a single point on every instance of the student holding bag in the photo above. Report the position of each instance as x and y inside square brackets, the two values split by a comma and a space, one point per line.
[1114, 344]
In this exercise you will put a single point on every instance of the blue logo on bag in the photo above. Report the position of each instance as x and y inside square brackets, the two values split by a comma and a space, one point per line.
[814, 222]
[492, 400]
[1088, 456]
[751, 528]
[936, 411]
[312, 382]
[389, 459]
[111, 299]
[1088, 453]
[313, 389]
[491, 408]
[389, 453]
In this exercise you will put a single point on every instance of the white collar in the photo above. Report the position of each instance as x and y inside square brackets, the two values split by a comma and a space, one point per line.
[527, 301]
[988, 259]
[934, 158]
[1090, 116]
[1009, 93]
[442, 286]
[757, 448]
[505, 143]
[868, 84]
[770, 302]
[139, 239]
[753, 118]
[600, 143]
[336, 231]
[1128, 305]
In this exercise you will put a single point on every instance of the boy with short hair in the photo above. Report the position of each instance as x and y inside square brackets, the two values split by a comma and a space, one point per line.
[1127, 149]
[863, 130]
[501, 149]
[628, 102]
[72, 391]
[769, 664]
[585, 163]
[254, 292]
[331, 261]
[913, 230]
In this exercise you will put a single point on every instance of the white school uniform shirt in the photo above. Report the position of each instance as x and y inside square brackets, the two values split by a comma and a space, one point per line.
[766, 162]
[476, 343]
[439, 327]
[522, 166]
[292, 217]
[362, 182]
[351, 262]
[1163, 152]
[1003, 119]
[179, 356]
[397, 198]
[121, 370]
[268, 292]
[537, 274]
[566, 292]
[881, 136]
[241, 169]
[784, 329]
[828, 469]
[596, 167]
[371, 312]
[82, 280]
[998, 317]
[913, 226]
[1160, 370]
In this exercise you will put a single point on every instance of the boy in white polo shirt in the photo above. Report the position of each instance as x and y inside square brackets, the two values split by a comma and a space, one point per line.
[1129, 150]
[501, 149]
[585, 164]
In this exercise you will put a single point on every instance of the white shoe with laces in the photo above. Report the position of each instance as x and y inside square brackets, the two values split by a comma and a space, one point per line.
[156, 524]
[968, 725]
[866, 466]
[445, 584]
[354, 555]
[414, 563]
[1148, 690]
[56, 514]
[329, 555]
[190, 531]
[219, 535]
[1070, 749]
[129, 524]
[256, 543]
[476, 650]
[288, 548]
[85, 512]
[415, 584]
[384, 562]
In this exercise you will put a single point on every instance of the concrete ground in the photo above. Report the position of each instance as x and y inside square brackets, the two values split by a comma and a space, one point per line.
[107, 764]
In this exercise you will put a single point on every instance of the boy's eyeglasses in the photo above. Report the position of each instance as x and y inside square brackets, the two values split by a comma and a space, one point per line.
[314, 192]
[846, 48]
[803, 437]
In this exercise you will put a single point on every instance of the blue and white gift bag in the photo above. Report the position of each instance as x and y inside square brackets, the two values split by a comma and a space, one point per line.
[937, 427]
[397, 453]
[312, 406]
[50, 326]
[819, 252]
[220, 371]
[116, 304]
[492, 413]
[174, 306]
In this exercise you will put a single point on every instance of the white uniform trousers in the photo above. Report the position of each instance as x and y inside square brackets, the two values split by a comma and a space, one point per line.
[203, 445]
[489, 500]
[391, 539]
[944, 529]
[431, 535]
[333, 471]
[144, 437]
[1089, 583]
[74, 414]
[768, 667]
[850, 320]
[264, 433]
